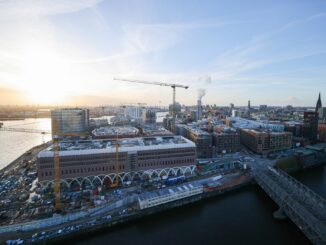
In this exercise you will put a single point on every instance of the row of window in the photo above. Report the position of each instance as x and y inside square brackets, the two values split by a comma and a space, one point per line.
[81, 170]
[179, 161]
[73, 164]
[166, 156]
[186, 150]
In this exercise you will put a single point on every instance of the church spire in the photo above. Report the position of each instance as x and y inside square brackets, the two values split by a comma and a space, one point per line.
[318, 105]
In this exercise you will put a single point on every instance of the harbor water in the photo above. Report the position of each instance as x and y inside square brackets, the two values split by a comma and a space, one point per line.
[14, 144]
[241, 217]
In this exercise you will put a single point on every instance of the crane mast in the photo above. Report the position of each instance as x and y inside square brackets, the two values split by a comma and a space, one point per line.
[56, 161]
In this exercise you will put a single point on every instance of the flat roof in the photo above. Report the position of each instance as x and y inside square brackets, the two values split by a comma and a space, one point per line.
[155, 130]
[85, 147]
[115, 130]
[264, 131]
[168, 191]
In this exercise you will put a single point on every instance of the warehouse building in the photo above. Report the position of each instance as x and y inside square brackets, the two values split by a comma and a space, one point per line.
[226, 139]
[136, 156]
[202, 139]
[263, 141]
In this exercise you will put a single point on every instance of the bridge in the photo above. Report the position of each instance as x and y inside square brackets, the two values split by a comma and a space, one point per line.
[303, 206]
[24, 130]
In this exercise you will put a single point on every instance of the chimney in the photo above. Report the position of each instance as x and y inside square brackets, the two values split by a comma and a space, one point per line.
[199, 110]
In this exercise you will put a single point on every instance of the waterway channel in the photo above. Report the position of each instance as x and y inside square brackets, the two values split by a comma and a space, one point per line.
[242, 217]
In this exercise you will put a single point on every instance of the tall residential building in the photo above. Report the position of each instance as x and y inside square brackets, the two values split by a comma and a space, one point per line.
[310, 122]
[310, 125]
[69, 120]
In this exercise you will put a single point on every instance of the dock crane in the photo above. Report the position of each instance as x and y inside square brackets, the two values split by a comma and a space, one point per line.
[172, 85]
[56, 160]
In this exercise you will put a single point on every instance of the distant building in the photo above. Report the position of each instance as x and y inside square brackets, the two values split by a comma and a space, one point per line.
[310, 123]
[69, 120]
[295, 128]
[231, 108]
[100, 122]
[150, 130]
[322, 132]
[263, 107]
[149, 116]
[168, 123]
[112, 132]
[249, 109]
[235, 113]
[322, 114]
[263, 141]
[133, 111]
[177, 109]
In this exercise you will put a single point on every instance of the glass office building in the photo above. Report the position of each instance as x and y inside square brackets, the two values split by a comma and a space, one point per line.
[69, 120]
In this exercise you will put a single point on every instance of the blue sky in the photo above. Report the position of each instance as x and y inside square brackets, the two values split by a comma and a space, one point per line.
[271, 52]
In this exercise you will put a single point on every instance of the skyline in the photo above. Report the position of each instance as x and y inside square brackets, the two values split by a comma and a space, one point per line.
[67, 52]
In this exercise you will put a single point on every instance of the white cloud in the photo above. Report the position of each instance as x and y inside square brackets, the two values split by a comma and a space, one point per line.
[24, 9]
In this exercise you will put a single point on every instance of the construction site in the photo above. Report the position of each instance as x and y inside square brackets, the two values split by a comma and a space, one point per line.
[109, 172]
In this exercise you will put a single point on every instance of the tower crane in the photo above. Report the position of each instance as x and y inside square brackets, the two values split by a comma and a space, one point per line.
[172, 85]
[117, 164]
[56, 160]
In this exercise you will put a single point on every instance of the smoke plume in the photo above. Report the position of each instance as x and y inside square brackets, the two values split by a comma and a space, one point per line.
[201, 93]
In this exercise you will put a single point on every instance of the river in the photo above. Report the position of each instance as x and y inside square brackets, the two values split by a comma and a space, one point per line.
[241, 217]
[14, 144]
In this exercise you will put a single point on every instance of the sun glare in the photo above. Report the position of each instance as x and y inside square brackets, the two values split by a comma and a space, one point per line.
[44, 75]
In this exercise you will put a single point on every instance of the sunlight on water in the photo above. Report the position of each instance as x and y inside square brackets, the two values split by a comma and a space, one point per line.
[13, 144]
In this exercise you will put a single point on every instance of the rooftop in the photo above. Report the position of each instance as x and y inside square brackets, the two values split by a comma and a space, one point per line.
[84, 147]
[168, 191]
[238, 122]
[155, 130]
[113, 131]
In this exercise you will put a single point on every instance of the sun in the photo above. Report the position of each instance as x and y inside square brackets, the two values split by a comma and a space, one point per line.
[44, 75]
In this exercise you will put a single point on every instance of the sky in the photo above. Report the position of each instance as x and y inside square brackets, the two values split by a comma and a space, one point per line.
[67, 52]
